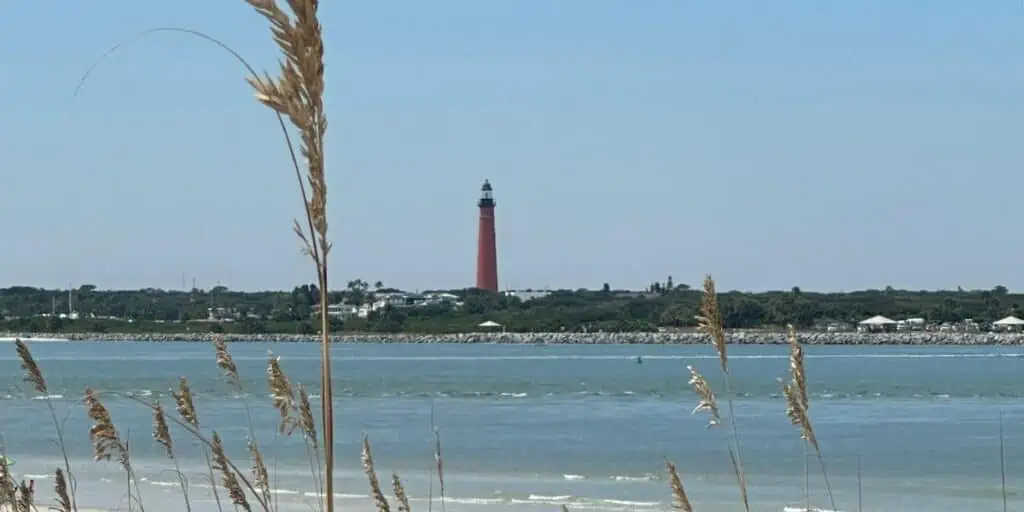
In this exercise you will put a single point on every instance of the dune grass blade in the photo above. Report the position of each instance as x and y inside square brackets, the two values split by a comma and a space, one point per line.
[34, 375]
[798, 405]
[681, 500]
[298, 94]
[162, 435]
[710, 321]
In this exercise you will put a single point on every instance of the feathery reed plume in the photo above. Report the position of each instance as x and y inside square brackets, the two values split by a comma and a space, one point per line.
[707, 397]
[284, 397]
[60, 488]
[378, 495]
[183, 402]
[260, 476]
[32, 372]
[306, 422]
[228, 478]
[796, 366]
[710, 320]
[681, 501]
[400, 496]
[161, 432]
[162, 436]
[298, 95]
[226, 362]
[106, 442]
[34, 376]
[187, 411]
[798, 415]
[797, 404]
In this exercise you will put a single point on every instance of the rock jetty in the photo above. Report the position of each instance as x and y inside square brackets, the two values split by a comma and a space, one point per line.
[567, 338]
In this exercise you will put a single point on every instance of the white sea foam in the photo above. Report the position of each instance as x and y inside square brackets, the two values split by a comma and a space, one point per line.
[574, 477]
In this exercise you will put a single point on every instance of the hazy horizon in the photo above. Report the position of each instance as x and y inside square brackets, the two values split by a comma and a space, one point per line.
[772, 144]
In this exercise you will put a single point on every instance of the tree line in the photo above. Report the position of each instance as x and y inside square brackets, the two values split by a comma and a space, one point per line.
[662, 305]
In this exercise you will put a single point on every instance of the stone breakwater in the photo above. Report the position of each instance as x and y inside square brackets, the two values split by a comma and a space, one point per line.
[562, 338]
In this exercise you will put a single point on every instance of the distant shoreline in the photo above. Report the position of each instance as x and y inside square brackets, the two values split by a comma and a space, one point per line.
[561, 338]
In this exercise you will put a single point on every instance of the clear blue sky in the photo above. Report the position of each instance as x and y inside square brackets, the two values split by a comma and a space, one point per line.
[830, 145]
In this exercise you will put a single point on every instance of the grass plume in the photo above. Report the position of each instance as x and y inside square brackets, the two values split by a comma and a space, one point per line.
[297, 93]
[798, 405]
[34, 376]
[187, 412]
[60, 489]
[707, 401]
[375, 490]
[228, 478]
[400, 496]
[681, 501]
[162, 436]
[106, 441]
[710, 321]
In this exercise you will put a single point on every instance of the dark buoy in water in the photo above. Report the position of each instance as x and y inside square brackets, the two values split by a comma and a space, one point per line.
[639, 359]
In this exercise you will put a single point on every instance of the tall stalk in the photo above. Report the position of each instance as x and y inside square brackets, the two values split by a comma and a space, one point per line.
[297, 93]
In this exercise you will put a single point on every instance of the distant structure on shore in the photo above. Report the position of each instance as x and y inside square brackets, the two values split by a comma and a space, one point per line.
[486, 249]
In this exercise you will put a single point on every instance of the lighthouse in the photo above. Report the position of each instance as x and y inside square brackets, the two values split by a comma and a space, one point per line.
[486, 248]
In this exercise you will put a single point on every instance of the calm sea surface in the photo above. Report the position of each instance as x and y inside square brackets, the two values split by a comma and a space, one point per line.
[534, 427]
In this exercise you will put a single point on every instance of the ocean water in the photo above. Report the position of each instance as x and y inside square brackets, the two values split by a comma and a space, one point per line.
[535, 427]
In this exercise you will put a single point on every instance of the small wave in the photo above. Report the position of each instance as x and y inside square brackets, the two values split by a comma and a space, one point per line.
[574, 477]
[538, 497]
[513, 395]
[36, 477]
[627, 478]
[337, 495]
[805, 509]
[637, 504]
[162, 484]
[469, 501]
[48, 397]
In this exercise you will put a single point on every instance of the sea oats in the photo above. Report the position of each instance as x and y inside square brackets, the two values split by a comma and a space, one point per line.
[228, 478]
[225, 361]
[105, 440]
[306, 421]
[798, 415]
[796, 367]
[161, 433]
[183, 401]
[32, 372]
[707, 397]
[378, 495]
[298, 95]
[260, 476]
[680, 500]
[281, 390]
[60, 488]
[710, 321]
[400, 496]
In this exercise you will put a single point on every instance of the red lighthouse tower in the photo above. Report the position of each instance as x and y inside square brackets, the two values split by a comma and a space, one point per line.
[486, 250]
